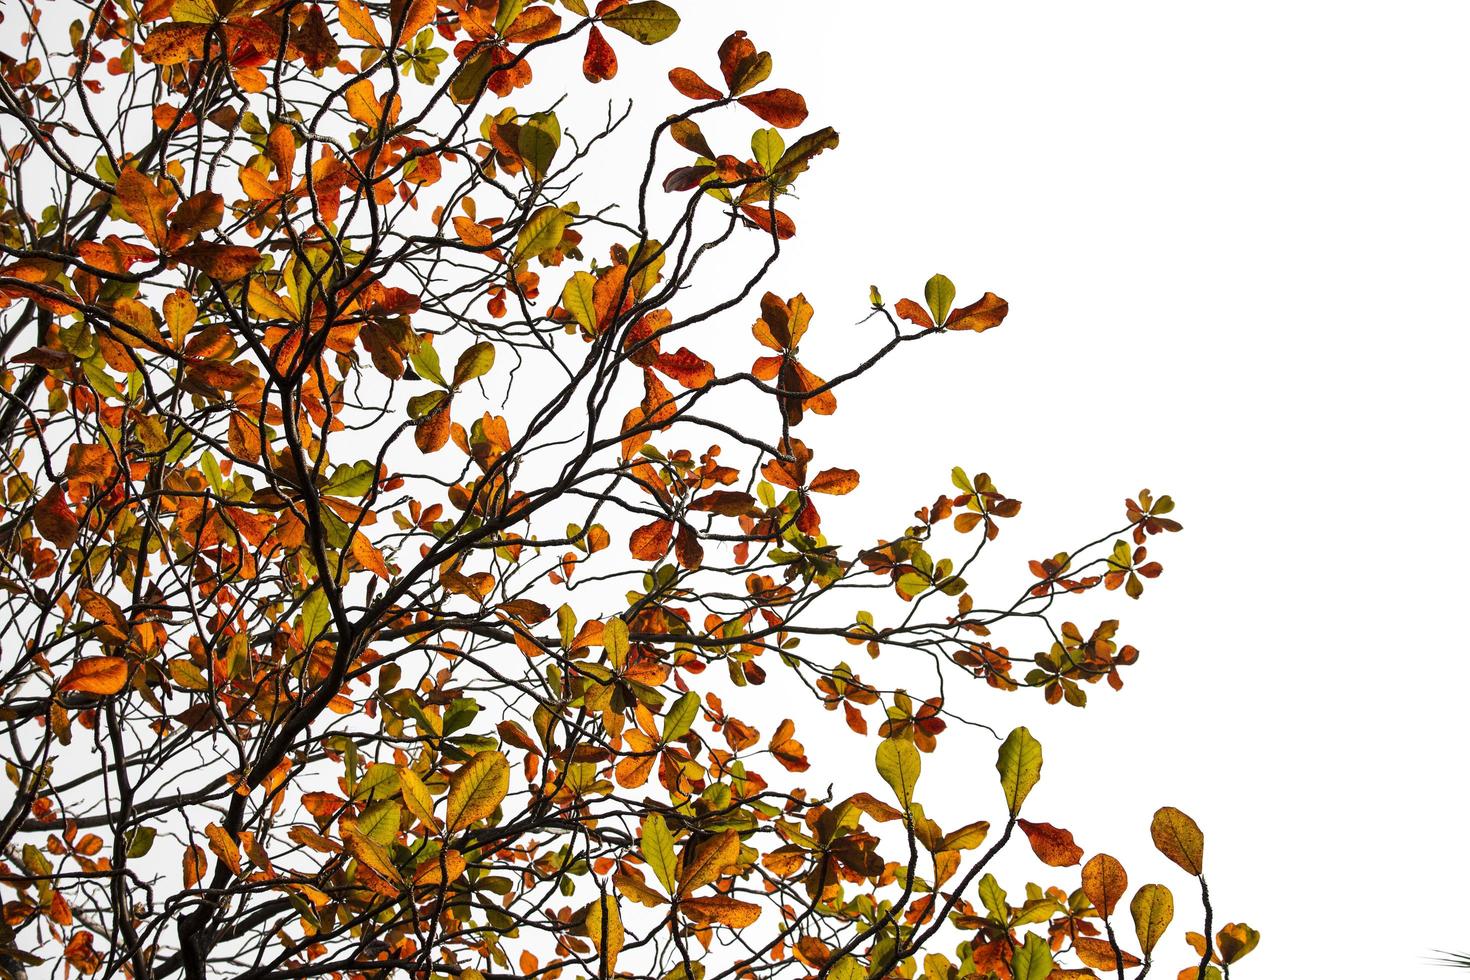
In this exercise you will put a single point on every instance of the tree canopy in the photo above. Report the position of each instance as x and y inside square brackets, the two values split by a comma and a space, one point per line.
[411, 570]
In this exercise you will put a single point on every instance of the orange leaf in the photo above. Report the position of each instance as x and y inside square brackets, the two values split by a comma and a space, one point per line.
[1179, 839]
[432, 431]
[780, 107]
[196, 862]
[1103, 882]
[651, 541]
[709, 862]
[200, 213]
[96, 675]
[686, 367]
[1052, 844]
[835, 481]
[145, 204]
[1100, 955]
[690, 85]
[908, 310]
[369, 557]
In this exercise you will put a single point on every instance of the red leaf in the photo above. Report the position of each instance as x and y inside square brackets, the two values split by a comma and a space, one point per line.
[780, 107]
[691, 86]
[908, 310]
[600, 62]
[1052, 844]
[686, 367]
[986, 312]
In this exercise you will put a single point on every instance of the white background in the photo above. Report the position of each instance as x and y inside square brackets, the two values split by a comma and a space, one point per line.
[1233, 238]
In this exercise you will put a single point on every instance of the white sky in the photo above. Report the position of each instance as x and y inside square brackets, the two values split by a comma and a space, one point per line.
[1232, 238]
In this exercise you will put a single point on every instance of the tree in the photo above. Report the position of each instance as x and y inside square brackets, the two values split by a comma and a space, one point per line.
[397, 555]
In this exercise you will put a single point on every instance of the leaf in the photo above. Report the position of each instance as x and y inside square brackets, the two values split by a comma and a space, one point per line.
[986, 312]
[371, 854]
[835, 481]
[1235, 940]
[226, 263]
[780, 107]
[196, 863]
[1100, 954]
[96, 675]
[600, 61]
[358, 23]
[434, 871]
[577, 298]
[55, 520]
[691, 86]
[711, 860]
[722, 909]
[681, 716]
[899, 765]
[1019, 765]
[416, 797]
[368, 556]
[939, 294]
[537, 142]
[651, 541]
[145, 204]
[1179, 839]
[798, 156]
[1033, 960]
[542, 232]
[223, 845]
[477, 789]
[475, 362]
[1152, 909]
[605, 929]
[1052, 844]
[432, 431]
[657, 848]
[646, 22]
[1103, 882]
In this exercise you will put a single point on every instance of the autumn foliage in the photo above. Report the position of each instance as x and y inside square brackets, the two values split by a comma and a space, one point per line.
[411, 571]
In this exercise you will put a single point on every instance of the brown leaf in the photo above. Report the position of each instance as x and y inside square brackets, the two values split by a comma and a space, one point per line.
[984, 313]
[432, 431]
[1052, 844]
[223, 262]
[780, 107]
[145, 204]
[200, 213]
[706, 865]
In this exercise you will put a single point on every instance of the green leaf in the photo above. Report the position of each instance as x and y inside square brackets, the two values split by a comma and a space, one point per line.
[939, 294]
[898, 764]
[421, 406]
[1033, 960]
[1019, 765]
[425, 360]
[993, 897]
[848, 968]
[681, 716]
[767, 146]
[475, 362]
[315, 615]
[508, 12]
[799, 155]
[539, 139]
[351, 479]
[380, 821]
[615, 640]
[658, 851]
[647, 22]
[1153, 910]
[140, 841]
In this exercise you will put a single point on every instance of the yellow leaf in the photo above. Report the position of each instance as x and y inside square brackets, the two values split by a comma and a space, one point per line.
[372, 855]
[477, 789]
[722, 909]
[1019, 765]
[416, 797]
[1153, 910]
[1179, 839]
[435, 872]
[224, 846]
[605, 929]
[658, 851]
[898, 764]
